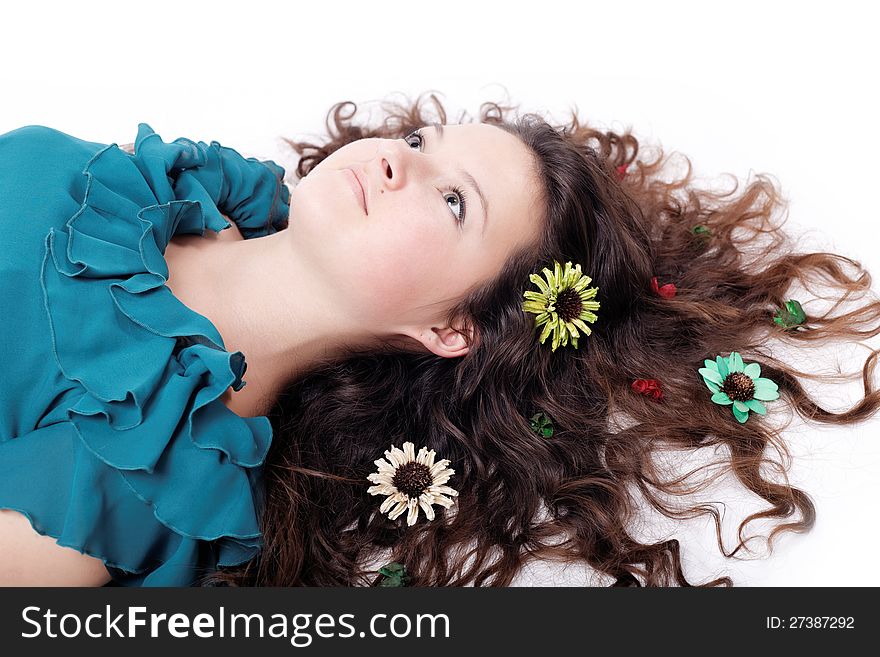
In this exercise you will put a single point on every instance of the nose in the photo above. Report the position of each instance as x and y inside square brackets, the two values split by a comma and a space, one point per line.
[395, 161]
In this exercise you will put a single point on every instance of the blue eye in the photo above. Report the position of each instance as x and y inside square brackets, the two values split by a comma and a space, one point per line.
[457, 191]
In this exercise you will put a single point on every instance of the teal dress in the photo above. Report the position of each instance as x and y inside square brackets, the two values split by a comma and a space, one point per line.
[114, 440]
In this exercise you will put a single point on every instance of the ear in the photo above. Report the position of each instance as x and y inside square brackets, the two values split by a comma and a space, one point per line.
[444, 341]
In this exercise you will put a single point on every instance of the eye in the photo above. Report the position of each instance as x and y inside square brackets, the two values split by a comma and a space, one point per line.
[461, 203]
[458, 195]
[420, 141]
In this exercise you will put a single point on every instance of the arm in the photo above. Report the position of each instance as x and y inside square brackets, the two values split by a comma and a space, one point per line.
[32, 559]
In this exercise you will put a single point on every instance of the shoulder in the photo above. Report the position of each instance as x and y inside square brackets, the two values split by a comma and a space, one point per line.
[34, 559]
[34, 137]
[36, 132]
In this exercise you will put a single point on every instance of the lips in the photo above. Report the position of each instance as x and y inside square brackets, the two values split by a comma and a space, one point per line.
[357, 187]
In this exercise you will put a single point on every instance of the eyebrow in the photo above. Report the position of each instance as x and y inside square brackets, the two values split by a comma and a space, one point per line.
[470, 180]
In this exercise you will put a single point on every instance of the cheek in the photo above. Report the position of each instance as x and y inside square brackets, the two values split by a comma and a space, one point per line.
[319, 198]
[400, 270]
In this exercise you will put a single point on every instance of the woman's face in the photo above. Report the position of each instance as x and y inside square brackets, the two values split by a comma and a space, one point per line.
[426, 236]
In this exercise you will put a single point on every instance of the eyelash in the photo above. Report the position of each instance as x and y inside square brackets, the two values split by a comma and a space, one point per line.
[462, 199]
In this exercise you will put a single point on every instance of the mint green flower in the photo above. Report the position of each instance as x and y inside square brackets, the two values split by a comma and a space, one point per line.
[740, 385]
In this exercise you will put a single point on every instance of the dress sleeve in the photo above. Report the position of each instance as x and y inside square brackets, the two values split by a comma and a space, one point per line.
[249, 191]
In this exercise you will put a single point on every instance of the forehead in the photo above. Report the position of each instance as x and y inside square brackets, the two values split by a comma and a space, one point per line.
[484, 144]
[502, 164]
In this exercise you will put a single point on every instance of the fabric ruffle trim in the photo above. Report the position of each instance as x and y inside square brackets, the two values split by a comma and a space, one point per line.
[152, 370]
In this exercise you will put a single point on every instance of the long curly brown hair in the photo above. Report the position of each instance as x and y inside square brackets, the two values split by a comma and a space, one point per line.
[569, 493]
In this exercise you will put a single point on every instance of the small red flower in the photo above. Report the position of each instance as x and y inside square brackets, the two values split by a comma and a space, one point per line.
[621, 171]
[648, 387]
[667, 291]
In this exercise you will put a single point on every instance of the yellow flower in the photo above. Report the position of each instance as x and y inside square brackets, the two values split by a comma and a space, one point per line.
[563, 305]
[411, 481]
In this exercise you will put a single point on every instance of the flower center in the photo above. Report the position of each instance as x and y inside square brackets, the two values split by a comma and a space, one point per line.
[412, 478]
[568, 304]
[738, 386]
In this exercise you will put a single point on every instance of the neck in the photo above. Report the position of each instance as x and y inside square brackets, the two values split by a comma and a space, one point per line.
[263, 304]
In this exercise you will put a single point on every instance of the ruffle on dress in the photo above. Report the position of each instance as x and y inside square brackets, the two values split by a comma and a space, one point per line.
[150, 471]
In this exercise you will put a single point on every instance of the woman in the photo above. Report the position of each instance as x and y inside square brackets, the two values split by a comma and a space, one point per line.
[498, 331]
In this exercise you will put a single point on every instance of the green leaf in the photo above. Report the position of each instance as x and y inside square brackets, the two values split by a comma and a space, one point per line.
[395, 574]
[541, 425]
[791, 316]
[701, 230]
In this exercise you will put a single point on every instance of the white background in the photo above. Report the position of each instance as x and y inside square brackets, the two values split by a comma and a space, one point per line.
[787, 89]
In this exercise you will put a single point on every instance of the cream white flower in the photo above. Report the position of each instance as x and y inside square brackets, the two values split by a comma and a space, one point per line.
[411, 481]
